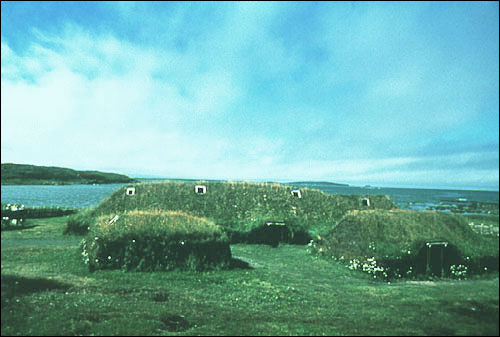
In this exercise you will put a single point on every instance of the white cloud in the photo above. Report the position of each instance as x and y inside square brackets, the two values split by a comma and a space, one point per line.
[225, 90]
[110, 113]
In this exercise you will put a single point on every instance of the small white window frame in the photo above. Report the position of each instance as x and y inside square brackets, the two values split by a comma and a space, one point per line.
[203, 189]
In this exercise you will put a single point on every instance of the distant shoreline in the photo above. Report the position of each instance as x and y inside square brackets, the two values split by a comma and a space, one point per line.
[57, 183]
[317, 182]
[23, 174]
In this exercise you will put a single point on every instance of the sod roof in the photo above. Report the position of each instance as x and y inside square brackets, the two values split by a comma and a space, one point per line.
[392, 233]
[237, 204]
[165, 224]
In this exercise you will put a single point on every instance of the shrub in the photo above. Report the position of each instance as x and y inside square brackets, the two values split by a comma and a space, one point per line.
[80, 222]
[155, 241]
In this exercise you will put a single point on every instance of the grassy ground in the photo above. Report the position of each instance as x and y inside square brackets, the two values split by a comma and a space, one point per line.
[47, 290]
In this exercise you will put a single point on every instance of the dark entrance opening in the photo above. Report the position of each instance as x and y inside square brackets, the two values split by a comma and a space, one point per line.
[436, 257]
[276, 232]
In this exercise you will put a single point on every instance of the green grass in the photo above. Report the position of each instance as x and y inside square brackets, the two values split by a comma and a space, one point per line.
[402, 230]
[46, 290]
[239, 207]
[168, 224]
[154, 241]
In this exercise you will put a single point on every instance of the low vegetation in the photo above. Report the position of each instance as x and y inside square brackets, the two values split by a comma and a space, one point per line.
[80, 222]
[155, 241]
[47, 291]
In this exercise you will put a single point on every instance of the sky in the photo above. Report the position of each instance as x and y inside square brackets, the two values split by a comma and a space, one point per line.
[390, 94]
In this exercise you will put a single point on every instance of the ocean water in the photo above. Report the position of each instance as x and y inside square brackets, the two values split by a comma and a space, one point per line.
[81, 196]
[74, 196]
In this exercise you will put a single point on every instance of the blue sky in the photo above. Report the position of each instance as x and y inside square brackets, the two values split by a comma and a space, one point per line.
[393, 94]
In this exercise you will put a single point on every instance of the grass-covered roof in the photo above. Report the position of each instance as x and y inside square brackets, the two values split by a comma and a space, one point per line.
[167, 224]
[238, 205]
[393, 233]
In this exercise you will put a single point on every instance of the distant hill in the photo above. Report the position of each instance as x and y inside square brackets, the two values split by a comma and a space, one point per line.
[21, 174]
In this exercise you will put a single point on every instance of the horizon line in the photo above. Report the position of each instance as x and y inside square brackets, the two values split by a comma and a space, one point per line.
[284, 181]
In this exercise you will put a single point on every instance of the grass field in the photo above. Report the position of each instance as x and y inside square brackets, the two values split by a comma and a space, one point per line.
[47, 290]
